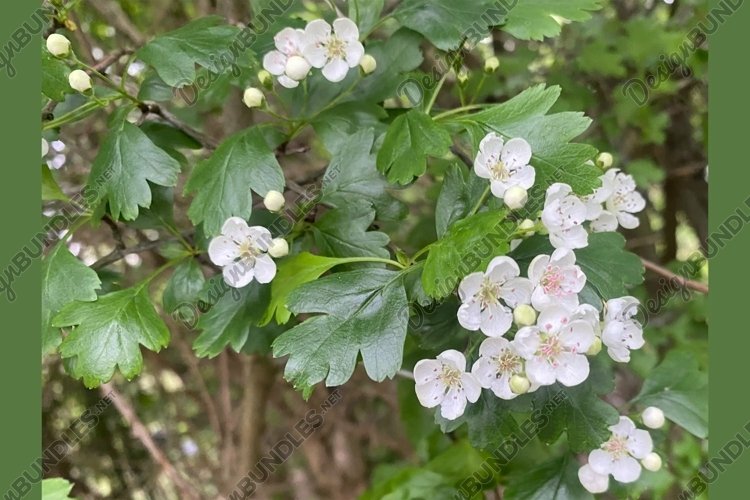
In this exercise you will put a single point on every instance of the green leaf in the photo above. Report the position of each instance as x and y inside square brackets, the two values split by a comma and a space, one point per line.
[555, 158]
[446, 23]
[337, 125]
[56, 488]
[410, 139]
[352, 176]
[222, 182]
[344, 233]
[680, 389]
[233, 320]
[50, 189]
[533, 19]
[363, 311]
[555, 480]
[490, 422]
[108, 333]
[174, 54]
[65, 279]
[293, 272]
[55, 73]
[184, 286]
[468, 246]
[127, 161]
[460, 192]
[365, 13]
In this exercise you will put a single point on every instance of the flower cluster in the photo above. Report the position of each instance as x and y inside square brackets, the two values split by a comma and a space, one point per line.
[333, 49]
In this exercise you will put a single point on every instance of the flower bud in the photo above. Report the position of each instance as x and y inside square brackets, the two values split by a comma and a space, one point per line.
[527, 226]
[515, 197]
[58, 45]
[596, 347]
[79, 80]
[652, 462]
[265, 79]
[519, 384]
[524, 315]
[491, 64]
[274, 201]
[463, 77]
[604, 161]
[368, 64]
[653, 417]
[297, 68]
[45, 147]
[278, 248]
[252, 97]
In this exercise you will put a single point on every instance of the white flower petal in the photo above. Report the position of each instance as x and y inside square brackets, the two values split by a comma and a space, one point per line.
[470, 286]
[239, 274]
[524, 176]
[577, 336]
[516, 153]
[539, 371]
[626, 470]
[287, 82]
[484, 370]
[454, 359]
[496, 320]
[628, 221]
[501, 387]
[470, 315]
[346, 29]
[472, 388]
[572, 369]
[537, 267]
[501, 269]
[526, 341]
[516, 291]
[624, 427]
[236, 229]
[592, 481]
[453, 404]
[354, 53]
[600, 461]
[288, 41]
[316, 55]
[274, 62]
[223, 251]
[640, 443]
[493, 346]
[265, 268]
[430, 394]
[427, 370]
[335, 70]
[606, 222]
[317, 30]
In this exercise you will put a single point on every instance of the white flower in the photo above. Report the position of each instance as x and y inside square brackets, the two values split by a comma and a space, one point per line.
[480, 293]
[593, 482]
[555, 348]
[274, 201]
[505, 164]
[653, 417]
[498, 362]
[58, 45]
[621, 201]
[563, 216]
[335, 50]
[287, 61]
[445, 382]
[556, 279]
[621, 332]
[368, 64]
[620, 454]
[242, 252]
[252, 97]
[79, 80]
[278, 248]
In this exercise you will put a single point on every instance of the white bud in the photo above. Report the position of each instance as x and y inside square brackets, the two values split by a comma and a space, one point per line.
[297, 68]
[368, 64]
[596, 347]
[519, 384]
[45, 147]
[278, 248]
[604, 161]
[252, 97]
[265, 78]
[274, 201]
[515, 197]
[491, 64]
[527, 226]
[79, 80]
[653, 417]
[524, 315]
[58, 45]
[652, 462]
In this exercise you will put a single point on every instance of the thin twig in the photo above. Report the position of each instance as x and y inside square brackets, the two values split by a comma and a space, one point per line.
[693, 285]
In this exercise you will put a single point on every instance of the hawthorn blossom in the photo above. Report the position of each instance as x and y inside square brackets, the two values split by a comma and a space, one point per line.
[334, 49]
[445, 382]
[287, 62]
[563, 216]
[505, 164]
[620, 201]
[481, 294]
[242, 251]
[556, 279]
[618, 456]
[498, 362]
[621, 332]
[555, 348]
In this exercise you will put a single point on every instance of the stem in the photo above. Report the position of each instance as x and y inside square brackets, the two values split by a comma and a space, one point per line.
[479, 88]
[375, 259]
[421, 252]
[434, 95]
[480, 202]
[456, 111]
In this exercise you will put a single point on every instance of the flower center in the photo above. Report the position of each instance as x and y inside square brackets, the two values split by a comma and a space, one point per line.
[248, 250]
[335, 47]
[507, 362]
[450, 377]
[499, 171]
[488, 293]
[552, 280]
[617, 446]
[550, 347]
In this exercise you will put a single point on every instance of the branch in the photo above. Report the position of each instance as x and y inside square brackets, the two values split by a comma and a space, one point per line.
[686, 283]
